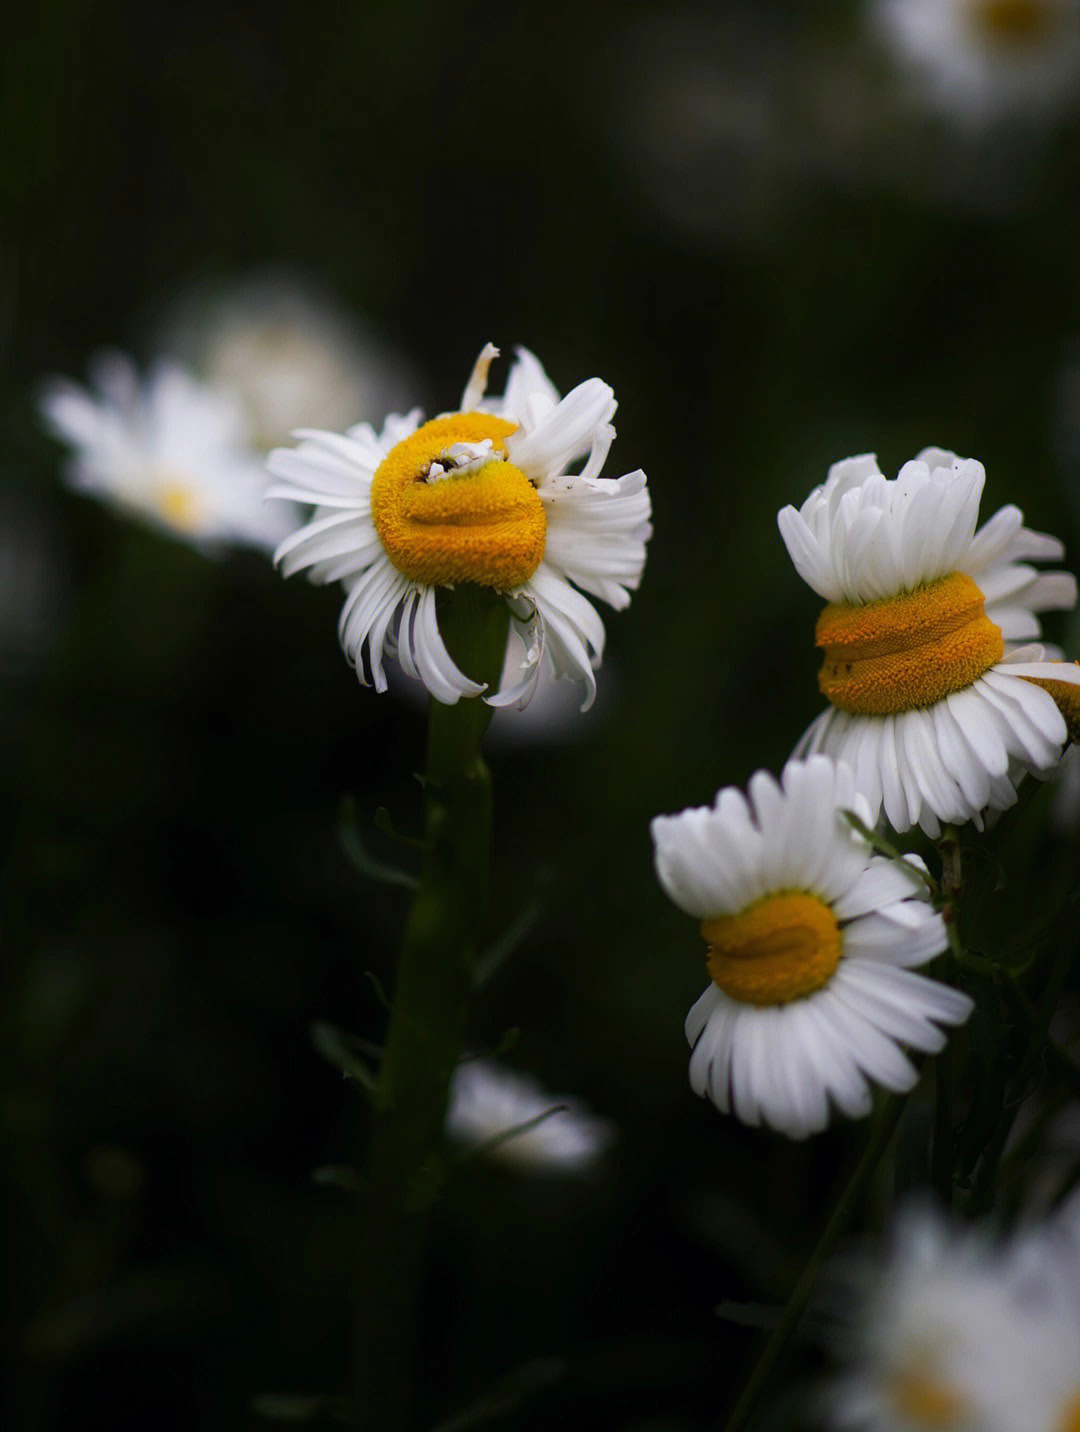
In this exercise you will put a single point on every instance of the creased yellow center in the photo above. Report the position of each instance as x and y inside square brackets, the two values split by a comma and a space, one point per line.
[909, 651]
[921, 1399]
[485, 525]
[779, 949]
[1066, 695]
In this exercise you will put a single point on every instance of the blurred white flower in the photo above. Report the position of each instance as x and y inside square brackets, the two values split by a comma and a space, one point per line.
[954, 1332]
[933, 704]
[812, 943]
[295, 359]
[169, 450]
[488, 1100]
[479, 496]
[981, 61]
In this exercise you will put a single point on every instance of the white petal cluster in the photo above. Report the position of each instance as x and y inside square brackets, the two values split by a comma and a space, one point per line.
[861, 537]
[955, 1331]
[597, 529]
[788, 1065]
[171, 450]
[982, 61]
[488, 1101]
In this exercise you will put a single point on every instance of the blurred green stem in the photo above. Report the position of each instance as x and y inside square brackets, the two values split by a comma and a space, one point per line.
[435, 978]
[886, 1124]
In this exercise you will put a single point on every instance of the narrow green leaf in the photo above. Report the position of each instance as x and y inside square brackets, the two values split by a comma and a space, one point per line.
[358, 857]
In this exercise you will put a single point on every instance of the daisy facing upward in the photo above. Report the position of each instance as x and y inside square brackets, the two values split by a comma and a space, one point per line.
[932, 702]
[478, 496]
[812, 946]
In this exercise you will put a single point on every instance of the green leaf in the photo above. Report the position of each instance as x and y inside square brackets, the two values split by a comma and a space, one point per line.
[919, 877]
[506, 944]
[367, 865]
[338, 1176]
[383, 821]
[508, 1394]
[339, 1049]
[300, 1407]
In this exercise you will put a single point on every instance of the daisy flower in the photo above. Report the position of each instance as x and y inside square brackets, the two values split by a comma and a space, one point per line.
[171, 450]
[488, 1101]
[812, 943]
[953, 1331]
[292, 356]
[478, 496]
[981, 60]
[932, 703]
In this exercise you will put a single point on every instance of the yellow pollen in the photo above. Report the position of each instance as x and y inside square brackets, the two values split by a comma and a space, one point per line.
[781, 948]
[909, 651]
[919, 1398]
[179, 505]
[1011, 19]
[486, 526]
[1071, 1422]
[1067, 696]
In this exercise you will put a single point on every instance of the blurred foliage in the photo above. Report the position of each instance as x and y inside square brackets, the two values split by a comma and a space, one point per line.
[178, 733]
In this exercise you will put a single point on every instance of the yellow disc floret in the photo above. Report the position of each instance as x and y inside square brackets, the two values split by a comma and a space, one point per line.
[179, 505]
[485, 524]
[781, 948]
[925, 1402]
[908, 651]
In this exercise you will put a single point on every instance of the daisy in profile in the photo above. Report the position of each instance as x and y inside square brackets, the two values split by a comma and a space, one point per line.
[170, 450]
[489, 1101]
[812, 946]
[984, 60]
[479, 496]
[955, 1331]
[931, 701]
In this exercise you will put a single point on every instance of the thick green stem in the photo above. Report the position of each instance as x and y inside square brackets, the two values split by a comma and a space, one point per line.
[427, 1024]
[841, 1216]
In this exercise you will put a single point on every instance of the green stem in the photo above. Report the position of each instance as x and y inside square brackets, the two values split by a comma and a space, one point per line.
[888, 1119]
[427, 1023]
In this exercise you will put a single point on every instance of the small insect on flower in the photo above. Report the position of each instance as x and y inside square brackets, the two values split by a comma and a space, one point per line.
[171, 450]
[479, 496]
[932, 703]
[812, 942]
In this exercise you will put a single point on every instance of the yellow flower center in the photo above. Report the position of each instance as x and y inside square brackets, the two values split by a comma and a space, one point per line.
[781, 948]
[1066, 694]
[484, 524]
[179, 505]
[928, 1403]
[909, 651]
[1071, 1422]
[1010, 19]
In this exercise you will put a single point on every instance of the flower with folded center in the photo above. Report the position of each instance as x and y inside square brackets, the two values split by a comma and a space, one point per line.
[931, 701]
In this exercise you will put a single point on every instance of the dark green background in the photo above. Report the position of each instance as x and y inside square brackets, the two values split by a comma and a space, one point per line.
[176, 909]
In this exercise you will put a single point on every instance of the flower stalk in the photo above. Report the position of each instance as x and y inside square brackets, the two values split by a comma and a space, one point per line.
[435, 978]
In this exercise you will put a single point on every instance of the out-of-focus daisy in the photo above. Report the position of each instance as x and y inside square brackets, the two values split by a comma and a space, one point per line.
[170, 450]
[488, 1101]
[294, 358]
[953, 1331]
[812, 943]
[478, 496]
[933, 705]
[983, 60]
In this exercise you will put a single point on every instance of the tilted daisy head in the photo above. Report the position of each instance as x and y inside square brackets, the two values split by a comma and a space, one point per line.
[170, 450]
[482, 496]
[932, 703]
[812, 942]
[811, 947]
